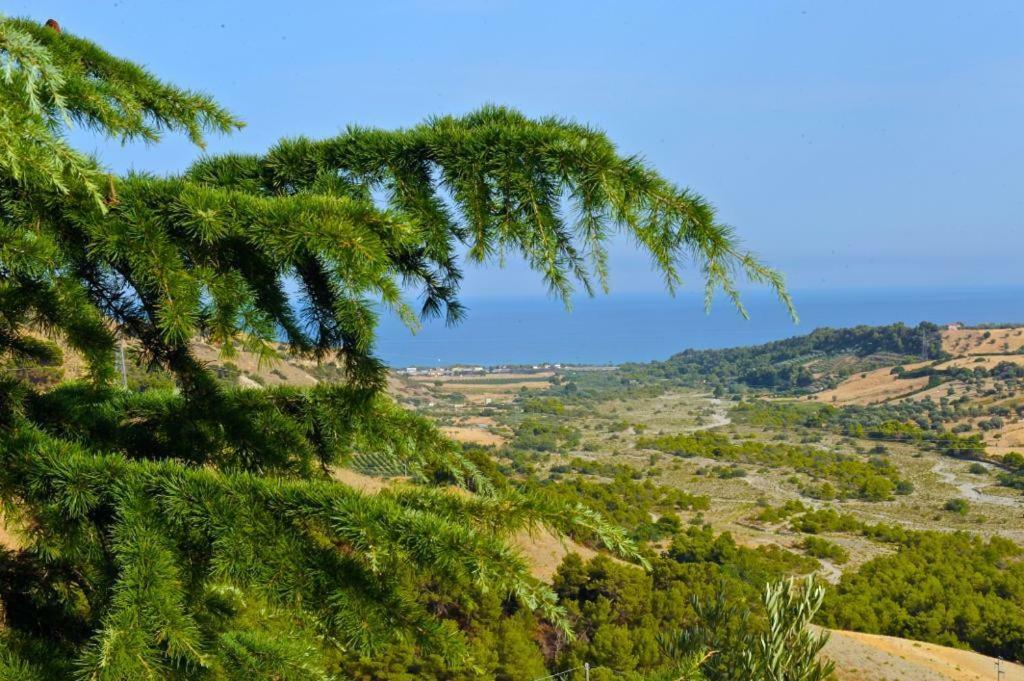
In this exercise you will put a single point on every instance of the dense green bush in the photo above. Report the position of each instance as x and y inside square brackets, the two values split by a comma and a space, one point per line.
[916, 422]
[544, 436]
[628, 503]
[957, 505]
[822, 548]
[543, 405]
[623, 615]
[873, 480]
[951, 589]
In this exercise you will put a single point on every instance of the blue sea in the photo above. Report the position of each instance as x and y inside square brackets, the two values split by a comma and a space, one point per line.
[612, 329]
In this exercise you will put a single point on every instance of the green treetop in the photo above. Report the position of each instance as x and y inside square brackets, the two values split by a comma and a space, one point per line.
[197, 533]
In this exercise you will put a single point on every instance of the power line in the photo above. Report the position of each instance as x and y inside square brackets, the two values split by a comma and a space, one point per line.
[564, 673]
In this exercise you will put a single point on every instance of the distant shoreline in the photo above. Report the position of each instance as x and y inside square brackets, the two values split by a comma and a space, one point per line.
[462, 369]
[618, 329]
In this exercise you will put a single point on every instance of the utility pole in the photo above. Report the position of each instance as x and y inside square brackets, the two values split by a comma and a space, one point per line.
[586, 671]
[999, 670]
[124, 368]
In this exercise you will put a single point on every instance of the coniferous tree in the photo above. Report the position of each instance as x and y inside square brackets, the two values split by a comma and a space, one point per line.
[197, 533]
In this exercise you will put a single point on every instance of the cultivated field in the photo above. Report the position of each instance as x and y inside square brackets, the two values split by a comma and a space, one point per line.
[484, 388]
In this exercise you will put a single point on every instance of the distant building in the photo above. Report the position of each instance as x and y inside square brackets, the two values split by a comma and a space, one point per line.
[465, 370]
[953, 327]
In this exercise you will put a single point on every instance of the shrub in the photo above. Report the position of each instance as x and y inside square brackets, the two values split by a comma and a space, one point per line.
[957, 505]
[823, 548]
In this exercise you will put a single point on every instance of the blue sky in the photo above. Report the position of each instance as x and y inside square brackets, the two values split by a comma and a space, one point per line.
[867, 144]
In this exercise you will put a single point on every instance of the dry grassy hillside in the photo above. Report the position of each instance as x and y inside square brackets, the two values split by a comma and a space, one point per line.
[288, 371]
[867, 657]
[873, 387]
[982, 341]
[482, 408]
[242, 368]
[971, 349]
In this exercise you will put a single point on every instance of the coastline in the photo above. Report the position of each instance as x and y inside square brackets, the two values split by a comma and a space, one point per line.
[620, 328]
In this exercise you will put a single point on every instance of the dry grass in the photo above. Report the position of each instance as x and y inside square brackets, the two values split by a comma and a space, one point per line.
[983, 361]
[868, 657]
[488, 381]
[943, 390]
[974, 342]
[544, 551]
[9, 538]
[998, 441]
[473, 434]
[971, 346]
[492, 388]
[1011, 439]
[282, 372]
[735, 502]
[481, 389]
[482, 421]
[872, 387]
[364, 483]
[489, 378]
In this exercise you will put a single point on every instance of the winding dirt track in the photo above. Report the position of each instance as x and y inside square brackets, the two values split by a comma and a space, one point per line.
[971, 491]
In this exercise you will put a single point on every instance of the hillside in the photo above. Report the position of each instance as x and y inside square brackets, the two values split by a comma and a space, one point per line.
[961, 380]
[987, 341]
[799, 365]
[844, 447]
[844, 475]
[868, 657]
[982, 376]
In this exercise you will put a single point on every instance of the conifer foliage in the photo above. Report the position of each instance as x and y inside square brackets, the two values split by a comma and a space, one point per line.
[197, 533]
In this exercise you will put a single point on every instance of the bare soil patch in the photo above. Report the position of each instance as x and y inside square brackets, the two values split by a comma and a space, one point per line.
[869, 657]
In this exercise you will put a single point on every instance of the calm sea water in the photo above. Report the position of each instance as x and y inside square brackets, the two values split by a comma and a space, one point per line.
[621, 328]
